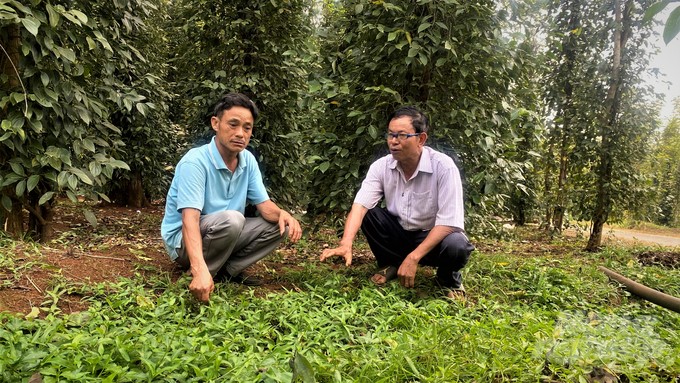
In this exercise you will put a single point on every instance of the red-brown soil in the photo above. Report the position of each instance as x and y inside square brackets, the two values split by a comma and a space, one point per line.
[125, 242]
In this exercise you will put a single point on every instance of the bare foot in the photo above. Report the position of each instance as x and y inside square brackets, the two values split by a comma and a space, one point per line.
[456, 295]
[385, 274]
[379, 279]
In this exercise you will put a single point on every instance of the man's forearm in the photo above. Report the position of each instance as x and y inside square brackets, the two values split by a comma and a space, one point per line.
[193, 243]
[269, 211]
[434, 238]
[353, 224]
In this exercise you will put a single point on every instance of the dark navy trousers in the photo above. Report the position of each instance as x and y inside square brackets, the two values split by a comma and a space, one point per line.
[390, 245]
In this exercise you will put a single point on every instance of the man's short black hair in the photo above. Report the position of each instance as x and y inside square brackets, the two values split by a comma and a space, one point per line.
[419, 120]
[233, 99]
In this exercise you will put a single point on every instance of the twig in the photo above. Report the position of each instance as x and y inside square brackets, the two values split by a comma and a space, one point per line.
[19, 77]
[36, 287]
[103, 257]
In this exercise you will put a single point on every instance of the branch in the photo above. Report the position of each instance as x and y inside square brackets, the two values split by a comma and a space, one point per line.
[35, 213]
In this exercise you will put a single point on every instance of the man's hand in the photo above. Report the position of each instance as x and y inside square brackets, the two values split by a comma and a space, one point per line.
[201, 285]
[294, 229]
[342, 250]
[407, 272]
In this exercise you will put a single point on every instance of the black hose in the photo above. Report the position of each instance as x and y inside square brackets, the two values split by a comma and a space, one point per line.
[664, 300]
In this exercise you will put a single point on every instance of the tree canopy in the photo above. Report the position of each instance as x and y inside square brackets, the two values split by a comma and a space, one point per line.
[543, 103]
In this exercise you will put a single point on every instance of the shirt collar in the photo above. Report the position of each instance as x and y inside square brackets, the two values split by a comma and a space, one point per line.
[424, 164]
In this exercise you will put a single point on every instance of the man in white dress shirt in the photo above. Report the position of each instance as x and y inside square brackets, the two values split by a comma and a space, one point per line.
[423, 221]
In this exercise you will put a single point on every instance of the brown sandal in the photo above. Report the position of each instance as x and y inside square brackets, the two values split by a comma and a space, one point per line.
[389, 273]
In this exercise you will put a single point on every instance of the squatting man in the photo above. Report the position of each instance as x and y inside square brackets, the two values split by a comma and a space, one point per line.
[204, 228]
[423, 219]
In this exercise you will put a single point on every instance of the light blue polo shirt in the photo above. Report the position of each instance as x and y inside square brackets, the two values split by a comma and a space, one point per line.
[202, 181]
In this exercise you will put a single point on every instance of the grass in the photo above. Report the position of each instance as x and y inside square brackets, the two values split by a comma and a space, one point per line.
[539, 311]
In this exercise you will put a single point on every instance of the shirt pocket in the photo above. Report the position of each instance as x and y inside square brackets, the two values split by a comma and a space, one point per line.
[423, 206]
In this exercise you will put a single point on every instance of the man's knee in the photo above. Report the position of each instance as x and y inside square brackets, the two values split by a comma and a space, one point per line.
[230, 222]
[456, 248]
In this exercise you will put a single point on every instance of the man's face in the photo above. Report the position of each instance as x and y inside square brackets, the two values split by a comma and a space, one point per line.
[407, 147]
[233, 130]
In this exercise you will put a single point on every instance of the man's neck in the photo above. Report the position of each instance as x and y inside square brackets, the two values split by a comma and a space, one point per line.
[230, 159]
[410, 166]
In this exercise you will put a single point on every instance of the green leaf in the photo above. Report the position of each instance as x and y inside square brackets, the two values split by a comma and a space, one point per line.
[72, 196]
[84, 114]
[358, 8]
[413, 52]
[32, 182]
[88, 144]
[62, 178]
[67, 53]
[391, 36]
[53, 15]
[80, 15]
[20, 188]
[324, 166]
[653, 10]
[17, 169]
[90, 43]
[118, 164]
[82, 175]
[6, 203]
[672, 26]
[73, 182]
[423, 27]
[302, 369]
[314, 86]
[31, 24]
[45, 197]
[90, 217]
[95, 168]
[373, 132]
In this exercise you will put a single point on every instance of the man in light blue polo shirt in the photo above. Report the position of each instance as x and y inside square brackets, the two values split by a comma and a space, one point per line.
[204, 229]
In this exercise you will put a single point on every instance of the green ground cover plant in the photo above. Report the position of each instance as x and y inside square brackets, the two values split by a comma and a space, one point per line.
[537, 310]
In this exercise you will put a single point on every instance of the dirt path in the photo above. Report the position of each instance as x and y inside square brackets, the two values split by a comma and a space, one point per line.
[639, 236]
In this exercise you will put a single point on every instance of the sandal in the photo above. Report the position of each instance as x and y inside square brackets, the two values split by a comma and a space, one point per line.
[389, 273]
[455, 294]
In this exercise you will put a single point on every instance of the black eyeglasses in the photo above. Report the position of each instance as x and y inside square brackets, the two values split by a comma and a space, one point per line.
[400, 136]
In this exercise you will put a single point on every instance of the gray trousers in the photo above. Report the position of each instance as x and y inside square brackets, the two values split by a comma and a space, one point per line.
[232, 242]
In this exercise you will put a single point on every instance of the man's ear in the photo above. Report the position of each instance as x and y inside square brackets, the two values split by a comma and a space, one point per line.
[422, 138]
[214, 122]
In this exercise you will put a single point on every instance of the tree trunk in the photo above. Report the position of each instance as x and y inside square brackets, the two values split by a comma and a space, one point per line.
[607, 125]
[14, 221]
[10, 37]
[136, 196]
[40, 219]
[130, 192]
[569, 51]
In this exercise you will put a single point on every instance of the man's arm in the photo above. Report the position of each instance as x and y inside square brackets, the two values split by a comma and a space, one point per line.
[202, 284]
[407, 270]
[272, 213]
[352, 226]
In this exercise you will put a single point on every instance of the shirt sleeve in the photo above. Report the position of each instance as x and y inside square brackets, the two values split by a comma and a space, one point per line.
[257, 193]
[372, 187]
[191, 180]
[450, 210]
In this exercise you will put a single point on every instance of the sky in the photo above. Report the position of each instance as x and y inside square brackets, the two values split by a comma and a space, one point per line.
[668, 62]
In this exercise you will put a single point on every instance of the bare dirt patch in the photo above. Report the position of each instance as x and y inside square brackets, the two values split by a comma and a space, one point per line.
[125, 243]
[668, 259]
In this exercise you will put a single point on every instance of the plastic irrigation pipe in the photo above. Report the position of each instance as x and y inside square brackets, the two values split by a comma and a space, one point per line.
[664, 300]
